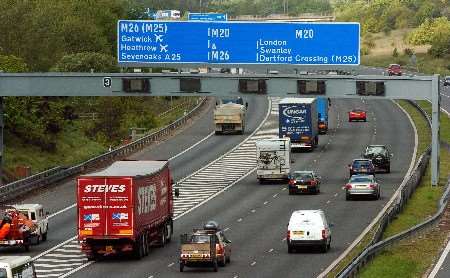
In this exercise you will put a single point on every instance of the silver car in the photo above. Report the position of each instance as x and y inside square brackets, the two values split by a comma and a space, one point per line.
[362, 185]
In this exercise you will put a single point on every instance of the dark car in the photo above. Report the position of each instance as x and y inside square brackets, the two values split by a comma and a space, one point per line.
[361, 166]
[447, 81]
[380, 156]
[304, 182]
[394, 69]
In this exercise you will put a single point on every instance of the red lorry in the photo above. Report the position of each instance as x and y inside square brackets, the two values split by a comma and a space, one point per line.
[125, 209]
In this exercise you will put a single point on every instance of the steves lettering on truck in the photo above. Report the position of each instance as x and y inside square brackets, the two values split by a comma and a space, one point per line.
[115, 188]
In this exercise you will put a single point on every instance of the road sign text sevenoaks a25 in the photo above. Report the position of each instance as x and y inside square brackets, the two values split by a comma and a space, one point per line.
[146, 43]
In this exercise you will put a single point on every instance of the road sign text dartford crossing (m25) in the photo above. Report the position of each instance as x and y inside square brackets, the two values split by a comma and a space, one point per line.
[161, 42]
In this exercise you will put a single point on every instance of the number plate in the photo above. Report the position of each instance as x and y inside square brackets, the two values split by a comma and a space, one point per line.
[302, 187]
[109, 248]
[298, 233]
[3, 242]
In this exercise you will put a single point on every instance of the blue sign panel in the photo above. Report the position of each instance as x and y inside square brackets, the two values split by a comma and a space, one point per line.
[207, 17]
[161, 42]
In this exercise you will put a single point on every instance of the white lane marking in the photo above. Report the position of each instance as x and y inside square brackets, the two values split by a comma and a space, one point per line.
[61, 211]
[335, 195]
[265, 203]
[170, 265]
[380, 214]
[193, 146]
[76, 269]
[52, 270]
[253, 210]
[53, 248]
[441, 260]
[270, 250]
[284, 239]
[253, 263]
[284, 188]
[328, 201]
[226, 229]
[151, 276]
[52, 265]
[274, 196]
[239, 220]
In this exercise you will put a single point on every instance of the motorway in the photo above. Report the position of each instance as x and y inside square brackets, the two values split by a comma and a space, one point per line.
[63, 225]
[255, 216]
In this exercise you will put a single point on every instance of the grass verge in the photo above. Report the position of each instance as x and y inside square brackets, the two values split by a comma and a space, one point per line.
[73, 146]
[412, 257]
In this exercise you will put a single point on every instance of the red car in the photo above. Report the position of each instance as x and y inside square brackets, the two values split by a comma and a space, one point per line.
[394, 69]
[357, 115]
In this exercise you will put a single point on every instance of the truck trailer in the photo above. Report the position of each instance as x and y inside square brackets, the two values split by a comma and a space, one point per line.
[229, 116]
[273, 159]
[125, 209]
[323, 105]
[298, 121]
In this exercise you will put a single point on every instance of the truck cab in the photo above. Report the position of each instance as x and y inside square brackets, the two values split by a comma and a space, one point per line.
[322, 114]
[35, 212]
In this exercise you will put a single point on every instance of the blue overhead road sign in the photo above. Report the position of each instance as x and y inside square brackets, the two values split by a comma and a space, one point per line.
[207, 16]
[143, 43]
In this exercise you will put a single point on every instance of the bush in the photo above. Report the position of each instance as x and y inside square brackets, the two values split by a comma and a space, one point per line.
[365, 50]
[408, 51]
[395, 52]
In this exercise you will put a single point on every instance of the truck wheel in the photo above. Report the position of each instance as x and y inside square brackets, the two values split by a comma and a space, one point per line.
[162, 236]
[146, 244]
[223, 262]
[168, 231]
[348, 197]
[44, 235]
[290, 249]
[228, 260]
[138, 249]
[218, 132]
[388, 169]
[324, 248]
[181, 267]
[215, 266]
[26, 247]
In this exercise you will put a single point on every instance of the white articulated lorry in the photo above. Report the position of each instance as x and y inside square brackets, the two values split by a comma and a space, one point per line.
[273, 159]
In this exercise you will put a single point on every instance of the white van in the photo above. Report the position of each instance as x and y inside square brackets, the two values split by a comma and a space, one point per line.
[273, 158]
[308, 228]
[35, 212]
[16, 266]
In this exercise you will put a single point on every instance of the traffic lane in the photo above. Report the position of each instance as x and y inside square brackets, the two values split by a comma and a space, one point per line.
[211, 148]
[60, 230]
[249, 197]
[229, 208]
[63, 195]
[350, 217]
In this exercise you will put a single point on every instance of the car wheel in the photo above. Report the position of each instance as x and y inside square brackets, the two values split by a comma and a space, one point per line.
[181, 267]
[388, 169]
[223, 261]
[228, 259]
[317, 191]
[348, 197]
[324, 248]
[291, 192]
[290, 249]
[215, 266]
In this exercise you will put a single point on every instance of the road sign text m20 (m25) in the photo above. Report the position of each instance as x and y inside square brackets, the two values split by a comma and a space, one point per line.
[145, 43]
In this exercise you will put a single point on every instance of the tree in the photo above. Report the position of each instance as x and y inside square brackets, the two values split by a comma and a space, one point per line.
[85, 62]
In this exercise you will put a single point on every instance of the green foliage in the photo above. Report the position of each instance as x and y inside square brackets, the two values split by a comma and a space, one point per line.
[85, 62]
[395, 52]
[436, 33]
[11, 63]
[385, 15]
[42, 32]
[35, 120]
[408, 51]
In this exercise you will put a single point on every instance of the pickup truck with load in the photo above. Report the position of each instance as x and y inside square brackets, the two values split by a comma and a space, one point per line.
[273, 159]
[229, 116]
[16, 229]
[125, 208]
[298, 121]
[322, 114]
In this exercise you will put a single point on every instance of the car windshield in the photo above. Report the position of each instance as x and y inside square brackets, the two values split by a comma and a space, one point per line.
[375, 149]
[357, 110]
[394, 66]
[303, 176]
[3, 273]
[361, 163]
[360, 179]
[200, 238]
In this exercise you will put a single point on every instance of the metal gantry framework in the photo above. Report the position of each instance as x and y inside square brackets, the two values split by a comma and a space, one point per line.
[215, 84]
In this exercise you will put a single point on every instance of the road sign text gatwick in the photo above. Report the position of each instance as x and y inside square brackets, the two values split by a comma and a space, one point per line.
[159, 42]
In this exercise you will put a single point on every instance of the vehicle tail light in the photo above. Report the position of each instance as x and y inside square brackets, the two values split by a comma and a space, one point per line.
[304, 137]
[288, 236]
[292, 182]
[324, 234]
[219, 249]
[372, 185]
[348, 186]
[313, 183]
